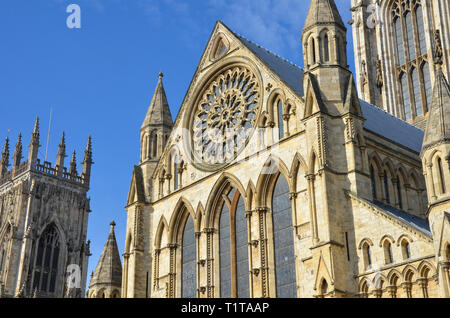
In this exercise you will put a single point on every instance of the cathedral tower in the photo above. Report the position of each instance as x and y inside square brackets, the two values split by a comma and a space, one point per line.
[155, 132]
[44, 212]
[107, 278]
[393, 44]
[436, 164]
[334, 125]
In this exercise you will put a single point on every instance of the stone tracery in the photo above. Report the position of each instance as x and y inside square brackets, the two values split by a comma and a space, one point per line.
[226, 115]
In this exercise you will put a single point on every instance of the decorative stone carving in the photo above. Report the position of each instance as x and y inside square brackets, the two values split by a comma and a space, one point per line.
[437, 48]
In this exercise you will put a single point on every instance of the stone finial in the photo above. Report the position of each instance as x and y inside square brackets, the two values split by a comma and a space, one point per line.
[35, 134]
[4, 161]
[62, 146]
[88, 152]
[73, 165]
[18, 152]
[113, 224]
[160, 75]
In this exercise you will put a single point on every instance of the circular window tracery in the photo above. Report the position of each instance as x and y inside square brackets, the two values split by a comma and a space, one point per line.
[225, 116]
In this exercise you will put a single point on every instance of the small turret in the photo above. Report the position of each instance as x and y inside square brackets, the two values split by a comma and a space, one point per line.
[4, 160]
[34, 145]
[436, 164]
[87, 162]
[17, 154]
[107, 278]
[324, 35]
[157, 125]
[61, 155]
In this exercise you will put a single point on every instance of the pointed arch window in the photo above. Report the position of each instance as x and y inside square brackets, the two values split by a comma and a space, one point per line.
[427, 83]
[233, 245]
[153, 145]
[326, 48]
[410, 37]
[386, 187]
[372, 180]
[313, 51]
[441, 176]
[47, 259]
[406, 249]
[189, 261]
[405, 94]
[399, 194]
[367, 257]
[417, 92]
[387, 246]
[283, 236]
[176, 175]
[280, 119]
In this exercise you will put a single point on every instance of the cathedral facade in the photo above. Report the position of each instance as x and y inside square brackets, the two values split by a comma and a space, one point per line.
[278, 181]
[44, 212]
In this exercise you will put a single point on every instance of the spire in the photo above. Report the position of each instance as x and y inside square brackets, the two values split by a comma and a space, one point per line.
[438, 125]
[87, 162]
[35, 135]
[323, 12]
[73, 165]
[18, 152]
[109, 267]
[34, 144]
[62, 146]
[159, 112]
[88, 152]
[61, 155]
[4, 161]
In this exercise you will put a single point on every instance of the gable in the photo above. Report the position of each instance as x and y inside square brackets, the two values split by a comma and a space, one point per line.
[136, 193]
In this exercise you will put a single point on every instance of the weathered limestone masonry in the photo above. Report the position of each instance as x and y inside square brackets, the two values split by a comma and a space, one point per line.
[394, 48]
[43, 222]
[317, 193]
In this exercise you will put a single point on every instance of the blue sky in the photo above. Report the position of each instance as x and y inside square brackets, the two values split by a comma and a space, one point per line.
[99, 79]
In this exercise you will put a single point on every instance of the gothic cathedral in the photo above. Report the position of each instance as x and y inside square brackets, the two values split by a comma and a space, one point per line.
[278, 181]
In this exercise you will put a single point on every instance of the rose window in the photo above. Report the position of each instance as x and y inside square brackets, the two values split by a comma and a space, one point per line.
[225, 116]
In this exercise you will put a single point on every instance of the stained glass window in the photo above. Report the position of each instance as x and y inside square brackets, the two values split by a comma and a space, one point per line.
[242, 269]
[280, 119]
[410, 36]
[189, 261]
[283, 241]
[225, 253]
[46, 265]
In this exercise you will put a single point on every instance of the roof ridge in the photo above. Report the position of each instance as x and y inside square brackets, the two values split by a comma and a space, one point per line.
[269, 51]
[394, 117]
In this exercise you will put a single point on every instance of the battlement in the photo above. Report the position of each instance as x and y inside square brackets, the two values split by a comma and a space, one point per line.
[46, 168]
